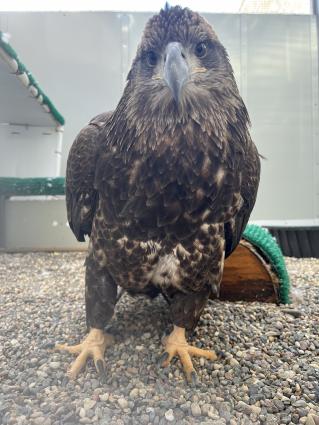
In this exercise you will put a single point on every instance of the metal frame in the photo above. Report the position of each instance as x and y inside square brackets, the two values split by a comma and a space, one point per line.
[315, 83]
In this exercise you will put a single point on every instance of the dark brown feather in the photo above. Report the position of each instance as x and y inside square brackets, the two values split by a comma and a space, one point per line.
[81, 197]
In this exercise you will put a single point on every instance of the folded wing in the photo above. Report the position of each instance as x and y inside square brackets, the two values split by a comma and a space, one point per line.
[81, 196]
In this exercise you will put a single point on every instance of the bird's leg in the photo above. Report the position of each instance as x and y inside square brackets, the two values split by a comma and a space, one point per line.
[100, 298]
[186, 310]
[176, 345]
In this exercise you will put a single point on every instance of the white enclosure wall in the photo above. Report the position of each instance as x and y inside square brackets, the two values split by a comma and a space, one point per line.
[29, 151]
[82, 60]
[30, 136]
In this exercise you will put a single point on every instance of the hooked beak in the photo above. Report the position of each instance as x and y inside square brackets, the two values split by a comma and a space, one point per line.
[176, 70]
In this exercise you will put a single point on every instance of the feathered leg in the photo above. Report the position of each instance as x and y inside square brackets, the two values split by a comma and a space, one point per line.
[186, 310]
[100, 298]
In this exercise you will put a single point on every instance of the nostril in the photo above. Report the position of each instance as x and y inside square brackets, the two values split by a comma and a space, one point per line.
[183, 55]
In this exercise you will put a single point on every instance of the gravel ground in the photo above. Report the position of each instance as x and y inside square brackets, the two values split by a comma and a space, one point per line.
[268, 373]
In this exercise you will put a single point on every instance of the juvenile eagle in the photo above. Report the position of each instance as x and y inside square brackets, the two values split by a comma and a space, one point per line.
[164, 185]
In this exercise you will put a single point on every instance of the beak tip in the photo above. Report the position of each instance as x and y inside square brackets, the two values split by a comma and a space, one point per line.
[175, 70]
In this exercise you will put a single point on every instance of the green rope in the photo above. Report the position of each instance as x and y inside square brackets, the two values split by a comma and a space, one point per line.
[267, 244]
[32, 81]
[11, 186]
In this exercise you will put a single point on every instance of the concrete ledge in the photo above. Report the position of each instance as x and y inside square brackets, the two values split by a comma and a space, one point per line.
[37, 223]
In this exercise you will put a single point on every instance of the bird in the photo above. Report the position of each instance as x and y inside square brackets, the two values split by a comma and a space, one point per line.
[163, 186]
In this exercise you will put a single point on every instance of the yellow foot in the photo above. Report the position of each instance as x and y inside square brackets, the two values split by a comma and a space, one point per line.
[93, 346]
[176, 344]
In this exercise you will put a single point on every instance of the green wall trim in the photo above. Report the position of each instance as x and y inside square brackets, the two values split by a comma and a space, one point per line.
[22, 69]
[12, 186]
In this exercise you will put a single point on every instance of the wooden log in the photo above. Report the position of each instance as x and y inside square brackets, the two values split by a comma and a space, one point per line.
[248, 276]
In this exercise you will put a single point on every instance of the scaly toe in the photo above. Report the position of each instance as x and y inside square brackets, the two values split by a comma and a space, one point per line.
[176, 345]
[186, 362]
[94, 346]
[78, 364]
[74, 349]
[199, 352]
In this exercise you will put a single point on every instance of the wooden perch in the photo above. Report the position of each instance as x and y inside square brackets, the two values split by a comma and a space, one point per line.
[248, 276]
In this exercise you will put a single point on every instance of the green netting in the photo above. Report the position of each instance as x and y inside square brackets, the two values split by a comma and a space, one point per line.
[10, 186]
[32, 81]
[261, 238]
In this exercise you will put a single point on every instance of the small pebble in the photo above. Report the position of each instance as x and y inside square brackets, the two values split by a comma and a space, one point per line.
[134, 393]
[55, 365]
[122, 403]
[292, 312]
[169, 415]
[233, 362]
[195, 409]
[89, 404]
[300, 403]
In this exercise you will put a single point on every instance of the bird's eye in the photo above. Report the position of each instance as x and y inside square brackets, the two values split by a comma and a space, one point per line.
[151, 58]
[201, 49]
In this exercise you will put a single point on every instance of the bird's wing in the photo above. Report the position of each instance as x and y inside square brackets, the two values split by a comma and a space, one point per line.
[250, 180]
[81, 196]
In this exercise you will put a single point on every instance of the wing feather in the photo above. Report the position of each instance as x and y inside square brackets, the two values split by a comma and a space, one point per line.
[81, 196]
[250, 179]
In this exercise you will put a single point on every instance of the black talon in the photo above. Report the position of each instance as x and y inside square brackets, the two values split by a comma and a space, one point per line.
[174, 360]
[101, 370]
[48, 346]
[162, 358]
[194, 378]
[220, 354]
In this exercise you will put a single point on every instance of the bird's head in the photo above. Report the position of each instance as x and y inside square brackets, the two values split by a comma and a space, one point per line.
[181, 70]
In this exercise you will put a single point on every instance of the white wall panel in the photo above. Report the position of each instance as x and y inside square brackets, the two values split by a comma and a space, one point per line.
[27, 151]
[80, 60]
